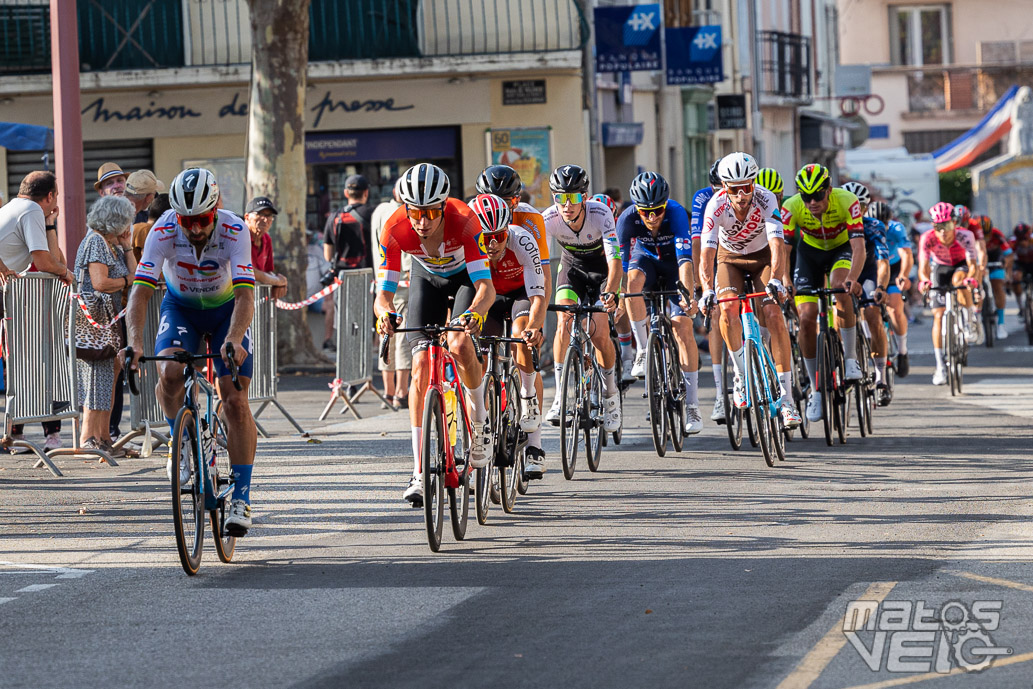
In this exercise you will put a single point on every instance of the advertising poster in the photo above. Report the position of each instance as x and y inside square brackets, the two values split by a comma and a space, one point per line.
[528, 151]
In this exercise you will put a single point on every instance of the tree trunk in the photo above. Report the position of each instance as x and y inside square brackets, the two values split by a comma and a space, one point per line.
[276, 152]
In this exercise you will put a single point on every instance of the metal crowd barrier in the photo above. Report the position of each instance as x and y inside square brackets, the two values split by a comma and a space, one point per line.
[145, 413]
[39, 324]
[264, 380]
[355, 355]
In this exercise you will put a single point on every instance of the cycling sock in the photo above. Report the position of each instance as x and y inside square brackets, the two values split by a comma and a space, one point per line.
[558, 372]
[1000, 316]
[478, 410]
[737, 361]
[901, 342]
[785, 380]
[626, 340]
[527, 384]
[242, 482]
[691, 387]
[417, 435]
[880, 369]
[849, 342]
[641, 330]
[534, 438]
[719, 375]
[610, 381]
[938, 353]
[171, 423]
[812, 370]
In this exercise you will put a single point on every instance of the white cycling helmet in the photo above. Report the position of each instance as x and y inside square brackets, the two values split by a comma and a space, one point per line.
[860, 191]
[737, 167]
[194, 192]
[424, 185]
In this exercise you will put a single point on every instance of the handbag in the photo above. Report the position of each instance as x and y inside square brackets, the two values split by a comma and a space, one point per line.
[93, 343]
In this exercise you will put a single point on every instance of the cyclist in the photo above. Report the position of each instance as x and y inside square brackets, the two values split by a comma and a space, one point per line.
[874, 279]
[656, 246]
[622, 324]
[980, 226]
[204, 253]
[831, 244]
[516, 273]
[742, 235]
[998, 250]
[953, 253]
[901, 260]
[716, 345]
[1022, 245]
[443, 236]
[590, 271]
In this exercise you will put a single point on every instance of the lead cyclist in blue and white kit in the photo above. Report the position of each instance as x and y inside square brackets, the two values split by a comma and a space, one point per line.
[205, 255]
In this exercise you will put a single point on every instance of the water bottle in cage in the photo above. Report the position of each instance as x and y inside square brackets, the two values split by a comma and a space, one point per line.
[450, 402]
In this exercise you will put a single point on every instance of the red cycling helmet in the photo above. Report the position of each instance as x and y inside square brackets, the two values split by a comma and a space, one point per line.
[1022, 231]
[493, 213]
[610, 203]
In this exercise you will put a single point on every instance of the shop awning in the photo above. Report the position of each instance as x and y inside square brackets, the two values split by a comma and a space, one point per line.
[15, 136]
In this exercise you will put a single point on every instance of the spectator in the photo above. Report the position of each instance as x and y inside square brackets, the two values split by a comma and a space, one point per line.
[140, 229]
[259, 215]
[24, 241]
[104, 263]
[395, 372]
[111, 181]
[344, 241]
[141, 188]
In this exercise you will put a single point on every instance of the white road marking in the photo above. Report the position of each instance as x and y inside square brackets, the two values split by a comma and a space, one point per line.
[6, 600]
[60, 572]
[31, 588]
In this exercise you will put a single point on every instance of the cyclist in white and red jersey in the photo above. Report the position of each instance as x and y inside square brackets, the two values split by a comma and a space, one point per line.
[945, 256]
[520, 294]
[204, 254]
[443, 236]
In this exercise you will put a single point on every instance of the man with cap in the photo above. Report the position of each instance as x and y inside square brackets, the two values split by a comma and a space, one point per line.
[258, 215]
[345, 243]
[141, 188]
[111, 181]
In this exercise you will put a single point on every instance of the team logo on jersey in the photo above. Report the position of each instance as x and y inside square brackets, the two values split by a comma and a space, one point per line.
[166, 229]
[146, 265]
[382, 250]
[480, 244]
[232, 229]
[438, 260]
[207, 268]
[246, 268]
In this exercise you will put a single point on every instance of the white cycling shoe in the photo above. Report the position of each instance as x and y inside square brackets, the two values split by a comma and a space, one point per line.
[414, 493]
[553, 415]
[852, 370]
[719, 410]
[480, 446]
[531, 414]
[940, 377]
[790, 416]
[239, 519]
[693, 421]
[1002, 332]
[739, 393]
[612, 413]
[814, 406]
[638, 369]
[184, 465]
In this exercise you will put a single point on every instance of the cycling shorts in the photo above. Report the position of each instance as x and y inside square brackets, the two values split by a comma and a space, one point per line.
[186, 328]
[997, 274]
[941, 277]
[512, 305]
[870, 272]
[894, 274]
[743, 273]
[581, 278]
[660, 275]
[1025, 268]
[429, 300]
[813, 265]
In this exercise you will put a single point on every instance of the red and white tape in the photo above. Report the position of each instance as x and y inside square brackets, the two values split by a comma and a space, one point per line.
[86, 312]
[287, 306]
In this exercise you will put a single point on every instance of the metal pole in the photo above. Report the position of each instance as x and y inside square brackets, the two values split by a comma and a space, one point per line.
[755, 77]
[68, 146]
[588, 96]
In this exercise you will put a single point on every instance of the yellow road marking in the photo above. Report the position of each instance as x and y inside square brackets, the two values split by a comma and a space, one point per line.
[992, 580]
[818, 658]
[936, 675]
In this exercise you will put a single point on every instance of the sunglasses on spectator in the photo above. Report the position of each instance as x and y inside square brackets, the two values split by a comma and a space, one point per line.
[739, 189]
[417, 214]
[816, 196]
[573, 198]
[191, 221]
[652, 212]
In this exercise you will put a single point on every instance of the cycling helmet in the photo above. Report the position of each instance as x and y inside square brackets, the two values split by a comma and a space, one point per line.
[812, 178]
[424, 185]
[649, 190]
[941, 212]
[493, 213]
[1022, 231]
[737, 167]
[962, 215]
[715, 179]
[986, 223]
[880, 210]
[501, 180]
[194, 192]
[769, 178]
[610, 203]
[860, 191]
[569, 179]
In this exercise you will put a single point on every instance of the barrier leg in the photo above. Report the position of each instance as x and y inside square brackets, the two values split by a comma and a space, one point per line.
[367, 386]
[41, 455]
[286, 414]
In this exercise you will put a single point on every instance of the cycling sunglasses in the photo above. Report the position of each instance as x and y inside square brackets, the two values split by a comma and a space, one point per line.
[816, 196]
[191, 221]
[572, 198]
[417, 214]
[942, 226]
[739, 189]
[652, 212]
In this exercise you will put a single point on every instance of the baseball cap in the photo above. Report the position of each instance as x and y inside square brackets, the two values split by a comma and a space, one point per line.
[143, 182]
[357, 182]
[260, 203]
[107, 171]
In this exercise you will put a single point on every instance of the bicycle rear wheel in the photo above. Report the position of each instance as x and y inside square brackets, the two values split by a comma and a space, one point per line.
[570, 411]
[221, 475]
[619, 377]
[509, 475]
[839, 381]
[860, 387]
[483, 477]
[594, 452]
[958, 364]
[459, 498]
[825, 369]
[759, 402]
[989, 315]
[778, 432]
[655, 394]
[675, 394]
[432, 462]
[187, 500]
[733, 415]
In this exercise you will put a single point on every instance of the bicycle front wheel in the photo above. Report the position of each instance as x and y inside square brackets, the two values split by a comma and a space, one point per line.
[675, 394]
[483, 477]
[570, 411]
[839, 381]
[825, 388]
[655, 393]
[432, 461]
[759, 403]
[733, 415]
[187, 498]
[511, 436]
[459, 498]
[594, 451]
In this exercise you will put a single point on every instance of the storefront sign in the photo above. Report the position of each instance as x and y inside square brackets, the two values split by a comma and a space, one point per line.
[527, 92]
[622, 133]
[528, 151]
[693, 55]
[380, 144]
[627, 38]
[731, 111]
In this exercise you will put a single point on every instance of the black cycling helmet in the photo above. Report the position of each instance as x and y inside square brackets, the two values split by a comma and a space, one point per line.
[649, 190]
[501, 180]
[880, 210]
[715, 179]
[569, 179]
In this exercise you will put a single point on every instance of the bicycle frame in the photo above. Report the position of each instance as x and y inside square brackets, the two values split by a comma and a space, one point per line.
[751, 332]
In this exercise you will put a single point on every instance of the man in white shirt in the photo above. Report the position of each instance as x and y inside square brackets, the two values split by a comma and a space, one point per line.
[395, 372]
[23, 229]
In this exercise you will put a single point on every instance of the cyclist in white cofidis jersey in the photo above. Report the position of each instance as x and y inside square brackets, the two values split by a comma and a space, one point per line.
[590, 272]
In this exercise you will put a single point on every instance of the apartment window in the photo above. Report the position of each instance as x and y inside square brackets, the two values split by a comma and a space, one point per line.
[920, 34]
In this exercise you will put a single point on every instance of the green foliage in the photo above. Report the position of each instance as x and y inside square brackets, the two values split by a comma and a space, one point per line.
[956, 187]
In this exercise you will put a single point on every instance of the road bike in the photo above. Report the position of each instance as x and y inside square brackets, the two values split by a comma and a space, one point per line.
[952, 334]
[194, 444]
[801, 381]
[890, 374]
[445, 444]
[623, 382]
[987, 306]
[864, 387]
[831, 378]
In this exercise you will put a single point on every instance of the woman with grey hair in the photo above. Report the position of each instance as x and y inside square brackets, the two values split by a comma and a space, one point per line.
[104, 265]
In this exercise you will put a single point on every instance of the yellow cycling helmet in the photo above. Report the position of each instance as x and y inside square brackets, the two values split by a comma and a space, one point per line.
[769, 178]
[812, 178]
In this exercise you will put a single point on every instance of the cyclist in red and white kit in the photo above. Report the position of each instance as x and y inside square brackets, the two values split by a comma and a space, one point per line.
[443, 236]
[946, 255]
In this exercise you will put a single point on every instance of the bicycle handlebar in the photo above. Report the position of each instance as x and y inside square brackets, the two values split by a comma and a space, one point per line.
[738, 297]
[430, 331]
[577, 309]
[184, 357]
[514, 340]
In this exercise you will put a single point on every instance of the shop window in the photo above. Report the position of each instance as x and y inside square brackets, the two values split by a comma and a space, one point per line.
[920, 34]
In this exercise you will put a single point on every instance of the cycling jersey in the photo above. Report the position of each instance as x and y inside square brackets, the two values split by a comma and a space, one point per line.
[520, 267]
[963, 249]
[597, 236]
[896, 239]
[1023, 249]
[528, 217]
[462, 247]
[976, 228]
[205, 282]
[875, 246]
[671, 243]
[699, 205]
[997, 245]
[761, 225]
[840, 223]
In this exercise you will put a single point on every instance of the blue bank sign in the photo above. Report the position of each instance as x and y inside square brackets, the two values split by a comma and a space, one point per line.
[694, 55]
[627, 39]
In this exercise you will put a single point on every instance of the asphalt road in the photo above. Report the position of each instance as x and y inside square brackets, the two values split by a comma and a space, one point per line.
[702, 569]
